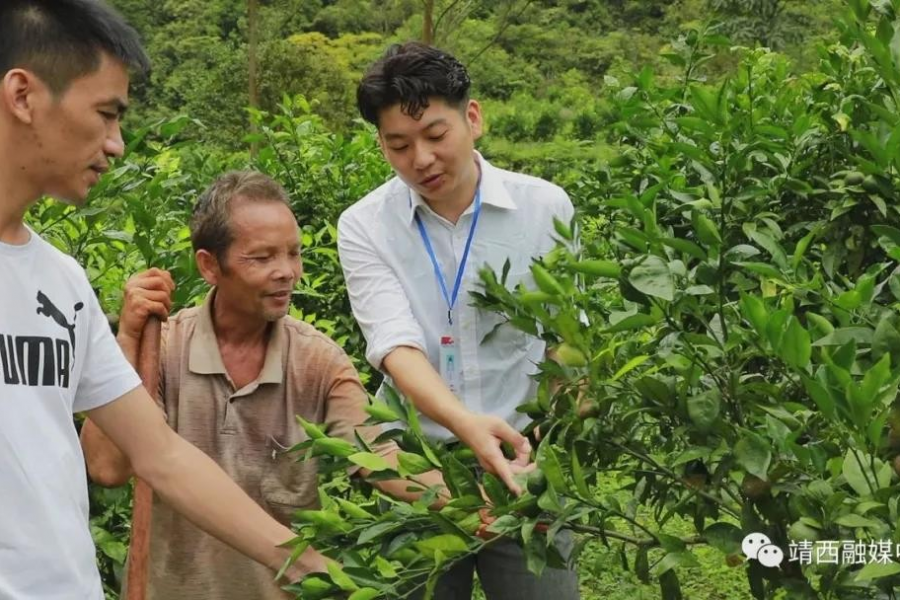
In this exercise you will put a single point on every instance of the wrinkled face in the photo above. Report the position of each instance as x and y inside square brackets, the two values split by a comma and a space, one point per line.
[434, 154]
[75, 134]
[262, 265]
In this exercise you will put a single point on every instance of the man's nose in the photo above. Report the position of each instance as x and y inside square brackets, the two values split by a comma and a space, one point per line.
[115, 145]
[423, 157]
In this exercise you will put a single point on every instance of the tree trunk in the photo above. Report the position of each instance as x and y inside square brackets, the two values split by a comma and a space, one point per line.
[428, 23]
[252, 67]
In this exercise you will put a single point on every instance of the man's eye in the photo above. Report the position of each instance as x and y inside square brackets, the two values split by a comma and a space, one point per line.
[109, 116]
[261, 258]
[437, 138]
[399, 148]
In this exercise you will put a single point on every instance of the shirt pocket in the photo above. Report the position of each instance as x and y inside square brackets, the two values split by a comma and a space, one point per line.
[289, 483]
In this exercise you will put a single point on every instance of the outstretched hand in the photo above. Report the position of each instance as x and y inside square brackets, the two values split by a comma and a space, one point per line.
[484, 434]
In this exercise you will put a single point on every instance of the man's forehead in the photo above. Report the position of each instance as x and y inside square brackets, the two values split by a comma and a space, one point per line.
[401, 124]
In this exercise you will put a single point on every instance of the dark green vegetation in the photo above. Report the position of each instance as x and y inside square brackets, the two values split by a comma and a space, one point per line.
[738, 266]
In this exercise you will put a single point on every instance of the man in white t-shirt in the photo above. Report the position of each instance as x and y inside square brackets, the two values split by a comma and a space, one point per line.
[411, 251]
[64, 72]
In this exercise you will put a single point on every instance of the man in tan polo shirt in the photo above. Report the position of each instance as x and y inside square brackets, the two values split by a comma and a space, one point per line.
[234, 373]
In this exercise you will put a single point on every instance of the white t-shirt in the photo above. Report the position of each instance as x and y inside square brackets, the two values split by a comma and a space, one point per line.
[57, 357]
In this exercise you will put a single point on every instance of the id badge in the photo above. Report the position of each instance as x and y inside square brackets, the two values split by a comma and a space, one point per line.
[449, 363]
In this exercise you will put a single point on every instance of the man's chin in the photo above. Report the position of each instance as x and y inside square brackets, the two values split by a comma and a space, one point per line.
[273, 315]
[72, 198]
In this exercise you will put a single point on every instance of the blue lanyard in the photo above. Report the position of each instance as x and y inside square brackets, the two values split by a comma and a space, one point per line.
[451, 300]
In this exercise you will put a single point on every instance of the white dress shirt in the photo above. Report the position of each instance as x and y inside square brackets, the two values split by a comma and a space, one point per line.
[397, 299]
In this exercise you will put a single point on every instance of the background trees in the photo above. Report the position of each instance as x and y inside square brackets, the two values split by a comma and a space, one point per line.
[738, 264]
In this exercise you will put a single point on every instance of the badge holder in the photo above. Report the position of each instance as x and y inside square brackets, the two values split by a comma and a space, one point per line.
[449, 363]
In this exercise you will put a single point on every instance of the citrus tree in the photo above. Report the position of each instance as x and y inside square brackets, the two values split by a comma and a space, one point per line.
[726, 338]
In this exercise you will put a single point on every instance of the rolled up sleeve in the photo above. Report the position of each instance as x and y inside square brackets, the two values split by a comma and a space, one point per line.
[379, 302]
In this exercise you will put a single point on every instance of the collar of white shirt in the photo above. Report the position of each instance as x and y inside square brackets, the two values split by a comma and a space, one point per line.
[493, 191]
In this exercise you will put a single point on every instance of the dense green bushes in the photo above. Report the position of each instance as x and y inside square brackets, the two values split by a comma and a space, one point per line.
[738, 268]
[742, 357]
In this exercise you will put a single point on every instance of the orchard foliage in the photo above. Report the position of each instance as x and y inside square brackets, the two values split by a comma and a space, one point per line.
[723, 311]
[726, 335]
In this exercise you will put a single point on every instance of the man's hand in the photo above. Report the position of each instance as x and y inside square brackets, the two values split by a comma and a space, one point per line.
[146, 293]
[484, 434]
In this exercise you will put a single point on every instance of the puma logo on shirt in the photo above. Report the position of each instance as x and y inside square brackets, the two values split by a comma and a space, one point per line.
[34, 360]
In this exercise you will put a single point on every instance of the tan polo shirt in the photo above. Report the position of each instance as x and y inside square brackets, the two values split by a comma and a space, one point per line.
[246, 432]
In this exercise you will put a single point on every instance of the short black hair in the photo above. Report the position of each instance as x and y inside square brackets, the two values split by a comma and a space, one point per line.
[410, 74]
[62, 40]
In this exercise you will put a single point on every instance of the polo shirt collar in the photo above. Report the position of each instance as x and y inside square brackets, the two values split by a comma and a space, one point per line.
[206, 359]
[493, 192]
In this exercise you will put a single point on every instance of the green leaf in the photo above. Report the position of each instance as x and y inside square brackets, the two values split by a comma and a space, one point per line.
[370, 533]
[353, 510]
[754, 310]
[340, 578]
[704, 102]
[681, 558]
[498, 493]
[312, 430]
[874, 570]
[369, 461]
[770, 245]
[653, 278]
[299, 548]
[686, 247]
[820, 396]
[564, 231]
[597, 268]
[796, 348]
[381, 412]
[578, 476]
[764, 269]
[855, 521]
[548, 462]
[536, 555]
[413, 464]
[839, 337]
[637, 321]
[857, 470]
[669, 586]
[447, 543]
[801, 247]
[330, 521]
[642, 564]
[886, 341]
[706, 229]
[724, 537]
[365, 593]
[754, 454]
[334, 447]
[630, 366]
[459, 478]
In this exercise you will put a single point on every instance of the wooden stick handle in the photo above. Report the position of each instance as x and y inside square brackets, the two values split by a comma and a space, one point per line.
[139, 550]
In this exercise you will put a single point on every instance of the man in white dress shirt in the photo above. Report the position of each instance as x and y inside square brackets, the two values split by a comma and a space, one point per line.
[411, 251]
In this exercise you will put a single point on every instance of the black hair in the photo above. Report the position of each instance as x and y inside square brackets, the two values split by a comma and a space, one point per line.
[61, 40]
[410, 74]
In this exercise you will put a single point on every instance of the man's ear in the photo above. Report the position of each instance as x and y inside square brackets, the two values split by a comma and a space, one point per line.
[19, 92]
[209, 267]
[473, 116]
[381, 145]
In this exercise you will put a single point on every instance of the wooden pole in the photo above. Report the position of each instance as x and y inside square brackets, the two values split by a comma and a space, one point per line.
[139, 550]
